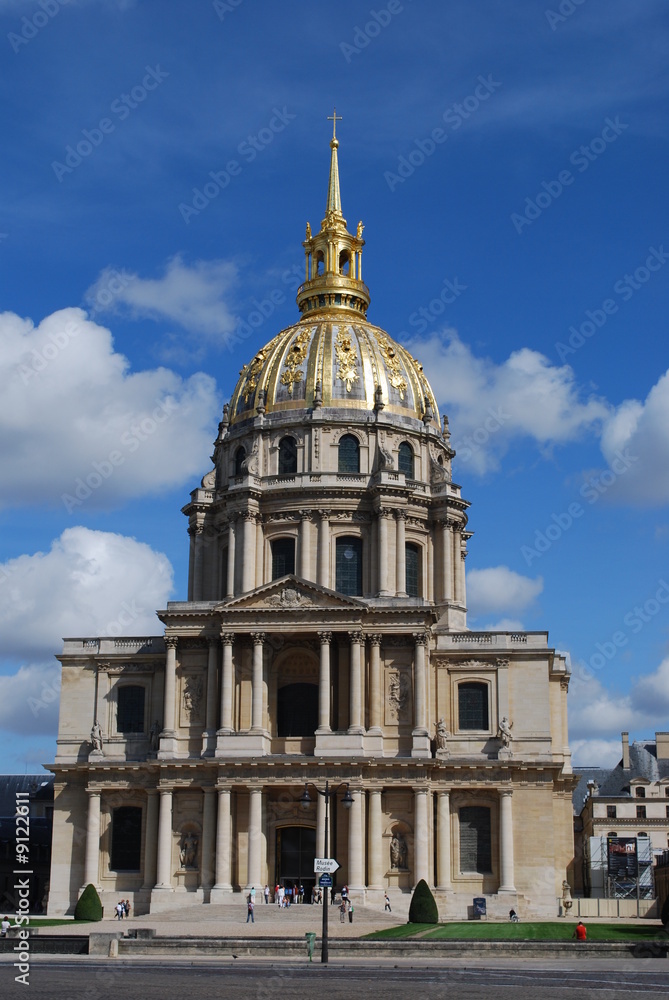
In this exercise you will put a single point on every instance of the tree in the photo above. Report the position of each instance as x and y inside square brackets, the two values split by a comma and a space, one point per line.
[423, 908]
[89, 906]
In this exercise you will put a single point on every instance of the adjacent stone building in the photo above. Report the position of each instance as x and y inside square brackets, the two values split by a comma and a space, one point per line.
[324, 640]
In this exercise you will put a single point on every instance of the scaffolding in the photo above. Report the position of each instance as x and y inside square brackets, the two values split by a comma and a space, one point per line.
[619, 868]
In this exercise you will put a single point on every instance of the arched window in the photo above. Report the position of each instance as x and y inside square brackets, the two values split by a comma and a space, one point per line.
[283, 557]
[349, 567]
[349, 454]
[297, 710]
[240, 455]
[413, 568]
[473, 705]
[344, 262]
[287, 456]
[320, 263]
[475, 840]
[130, 709]
[405, 459]
[126, 839]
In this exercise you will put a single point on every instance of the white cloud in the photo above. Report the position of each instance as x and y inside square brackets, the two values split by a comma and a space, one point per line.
[650, 693]
[196, 297]
[641, 432]
[76, 422]
[89, 583]
[29, 701]
[596, 753]
[499, 589]
[504, 625]
[490, 405]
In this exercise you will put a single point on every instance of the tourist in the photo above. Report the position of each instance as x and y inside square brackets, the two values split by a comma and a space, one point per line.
[580, 932]
[249, 910]
[4, 926]
[387, 901]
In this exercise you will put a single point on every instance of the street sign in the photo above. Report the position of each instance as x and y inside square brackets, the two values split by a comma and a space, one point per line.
[325, 881]
[328, 865]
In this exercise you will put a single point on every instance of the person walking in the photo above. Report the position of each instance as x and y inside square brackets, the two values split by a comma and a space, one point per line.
[387, 902]
[266, 894]
[250, 906]
[350, 912]
[126, 908]
[342, 912]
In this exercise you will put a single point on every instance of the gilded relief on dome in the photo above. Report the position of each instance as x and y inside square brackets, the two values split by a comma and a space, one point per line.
[347, 359]
[296, 356]
[393, 369]
[252, 372]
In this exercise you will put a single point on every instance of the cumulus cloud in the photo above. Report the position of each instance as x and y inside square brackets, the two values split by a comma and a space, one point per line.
[640, 431]
[195, 296]
[498, 589]
[650, 693]
[491, 405]
[29, 701]
[76, 423]
[89, 583]
[596, 753]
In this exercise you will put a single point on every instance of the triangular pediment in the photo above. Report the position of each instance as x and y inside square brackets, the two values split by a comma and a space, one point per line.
[291, 593]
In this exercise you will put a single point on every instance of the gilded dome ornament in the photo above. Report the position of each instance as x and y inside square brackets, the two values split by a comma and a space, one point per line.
[393, 369]
[252, 373]
[347, 359]
[296, 357]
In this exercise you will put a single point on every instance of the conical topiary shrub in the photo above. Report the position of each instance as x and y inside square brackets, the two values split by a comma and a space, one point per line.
[423, 908]
[89, 906]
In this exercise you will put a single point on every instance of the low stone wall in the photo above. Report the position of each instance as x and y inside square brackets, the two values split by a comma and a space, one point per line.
[613, 908]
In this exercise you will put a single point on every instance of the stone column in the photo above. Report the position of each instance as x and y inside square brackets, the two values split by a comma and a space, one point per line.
[207, 853]
[232, 532]
[375, 682]
[420, 685]
[303, 568]
[257, 682]
[355, 684]
[209, 735]
[248, 551]
[506, 841]
[198, 564]
[227, 683]
[446, 561]
[254, 853]
[324, 684]
[151, 838]
[92, 857]
[224, 841]
[324, 548]
[164, 871]
[356, 840]
[443, 840]
[375, 841]
[401, 560]
[382, 589]
[169, 701]
[421, 842]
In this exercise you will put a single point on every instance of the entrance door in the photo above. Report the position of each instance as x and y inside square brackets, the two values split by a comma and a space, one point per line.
[295, 853]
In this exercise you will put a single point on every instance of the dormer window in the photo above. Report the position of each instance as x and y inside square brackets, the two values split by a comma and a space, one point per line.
[640, 792]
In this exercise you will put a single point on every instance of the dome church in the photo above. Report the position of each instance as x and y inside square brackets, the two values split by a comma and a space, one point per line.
[319, 694]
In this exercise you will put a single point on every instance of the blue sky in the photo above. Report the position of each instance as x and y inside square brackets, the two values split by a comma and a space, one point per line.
[508, 160]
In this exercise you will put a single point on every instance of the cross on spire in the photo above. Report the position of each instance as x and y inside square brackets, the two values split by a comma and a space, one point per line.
[334, 118]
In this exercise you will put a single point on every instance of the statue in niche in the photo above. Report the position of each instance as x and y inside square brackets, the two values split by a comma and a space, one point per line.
[96, 737]
[188, 852]
[504, 732]
[398, 694]
[193, 696]
[441, 734]
[154, 736]
[398, 851]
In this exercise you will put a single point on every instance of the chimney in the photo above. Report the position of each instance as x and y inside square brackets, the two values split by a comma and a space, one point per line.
[662, 746]
[626, 751]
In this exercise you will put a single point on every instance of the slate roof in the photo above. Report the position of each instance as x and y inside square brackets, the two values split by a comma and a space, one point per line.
[615, 782]
[40, 786]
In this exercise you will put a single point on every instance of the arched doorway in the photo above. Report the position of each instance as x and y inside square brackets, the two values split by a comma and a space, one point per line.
[295, 853]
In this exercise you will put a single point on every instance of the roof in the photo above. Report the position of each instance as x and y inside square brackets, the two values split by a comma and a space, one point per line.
[615, 782]
[39, 786]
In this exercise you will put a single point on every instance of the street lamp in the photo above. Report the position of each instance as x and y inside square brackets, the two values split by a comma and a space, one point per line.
[347, 802]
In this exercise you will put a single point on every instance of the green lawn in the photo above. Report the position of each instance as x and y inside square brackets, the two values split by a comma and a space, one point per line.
[475, 930]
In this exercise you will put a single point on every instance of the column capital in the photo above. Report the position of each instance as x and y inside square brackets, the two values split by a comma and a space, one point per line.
[375, 639]
[306, 515]
[171, 641]
[258, 638]
[228, 638]
[250, 515]
[422, 638]
[324, 515]
[400, 514]
[357, 637]
[325, 638]
[385, 512]
[506, 793]
[213, 641]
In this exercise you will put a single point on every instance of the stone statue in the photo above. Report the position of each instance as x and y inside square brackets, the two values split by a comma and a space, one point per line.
[504, 732]
[154, 736]
[96, 737]
[308, 236]
[442, 735]
[398, 851]
[359, 230]
[188, 852]
[567, 901]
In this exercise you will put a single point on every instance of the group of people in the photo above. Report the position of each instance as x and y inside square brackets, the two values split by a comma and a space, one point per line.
[122, 909]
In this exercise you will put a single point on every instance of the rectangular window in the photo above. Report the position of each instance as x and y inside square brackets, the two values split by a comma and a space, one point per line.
[283, 557]
[349, 567]
[640, 812]
[126, 839]
[130, 709]
[412, 563]
[475, 840]
[611, 812]
[473, 706]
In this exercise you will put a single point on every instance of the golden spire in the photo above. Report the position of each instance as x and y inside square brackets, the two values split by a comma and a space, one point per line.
[334, 197]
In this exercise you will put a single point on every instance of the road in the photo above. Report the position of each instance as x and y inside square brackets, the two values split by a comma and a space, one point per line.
[87, 980]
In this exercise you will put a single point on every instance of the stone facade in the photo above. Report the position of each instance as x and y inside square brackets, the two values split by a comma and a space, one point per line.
[324, 639]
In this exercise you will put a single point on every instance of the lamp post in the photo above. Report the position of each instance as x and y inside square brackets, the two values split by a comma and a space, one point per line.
[347, 802]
